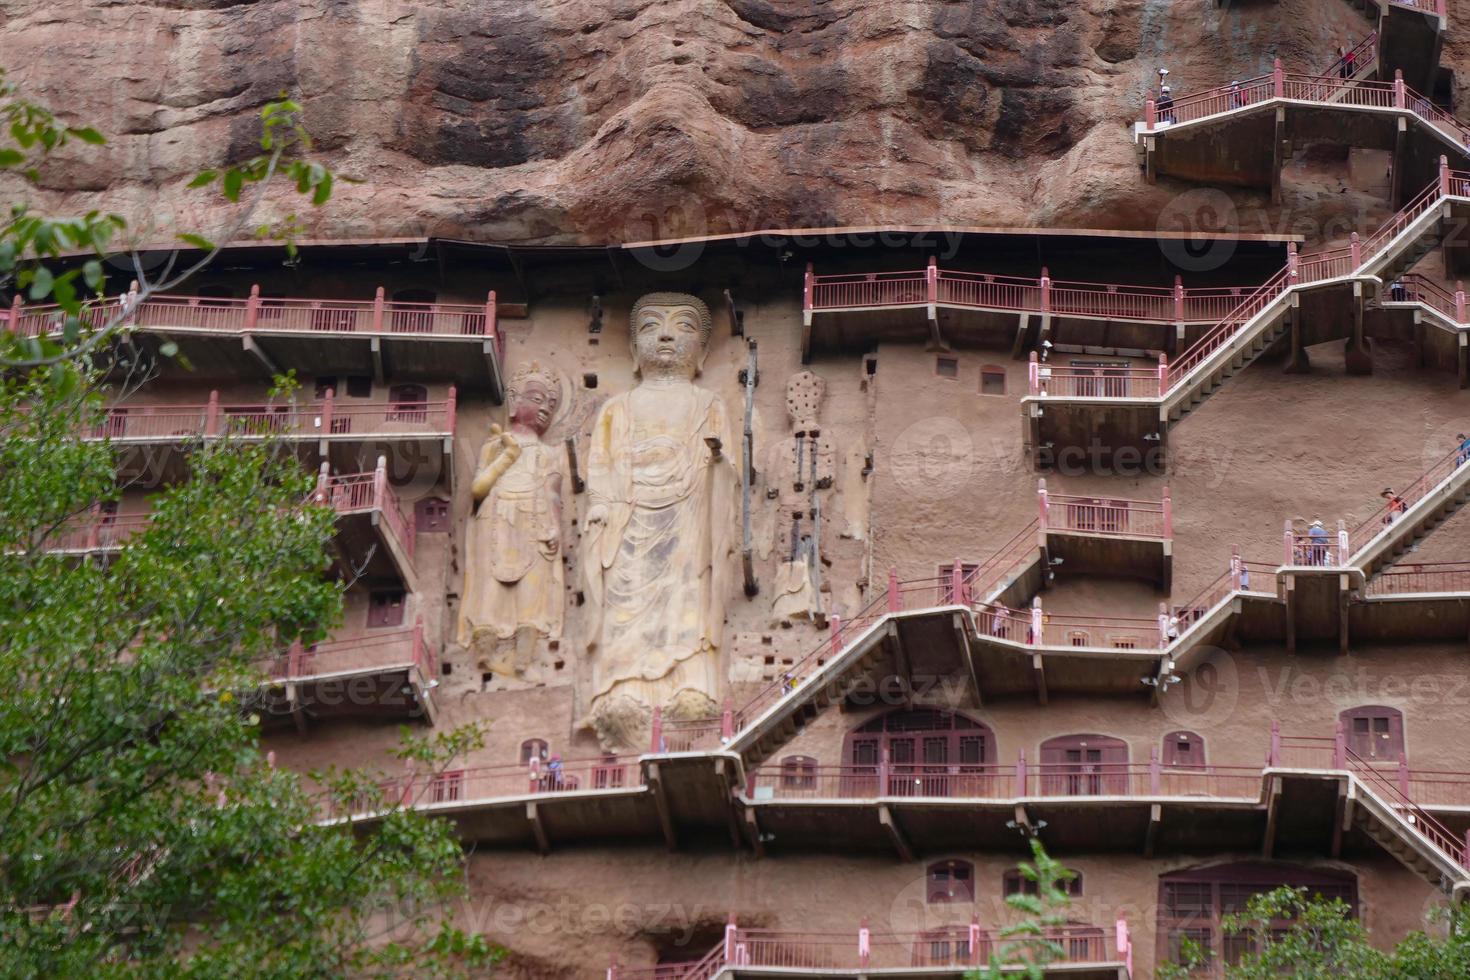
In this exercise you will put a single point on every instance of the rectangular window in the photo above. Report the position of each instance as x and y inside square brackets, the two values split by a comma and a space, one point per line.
[992, 381]
[447, 786]
[1199, 937]
[360, 386]
[947, 367]
[1183, 899]
[385, 608]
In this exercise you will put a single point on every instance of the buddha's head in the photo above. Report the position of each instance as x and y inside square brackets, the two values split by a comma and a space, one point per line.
[533, 397]
[670, 334]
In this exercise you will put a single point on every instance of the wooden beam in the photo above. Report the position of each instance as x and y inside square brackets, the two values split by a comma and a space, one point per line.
[1023, 820]
[375, 346]
[1290, 589]
[895, 833]
[252, 347]
[1344, 816]
[1023, 327]
[533, 817]
[900, 663]
[298, 715]
[661, 802]
[1273, 799]
[753, 833]
[936, 336]
[1150, 836]
[731, 819]
[1039, 672]
[962, 631]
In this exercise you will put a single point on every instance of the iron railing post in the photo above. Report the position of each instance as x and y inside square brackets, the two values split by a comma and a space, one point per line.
[1278, 80]
[252, 307]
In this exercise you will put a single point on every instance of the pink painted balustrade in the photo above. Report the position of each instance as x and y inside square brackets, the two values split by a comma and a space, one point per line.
[362, 493]
[268, 315]
[327, 418]
[1409, 579]
[976, 290]
[1106, 516]
[1382, 518]
[959, 946]
[381, 650]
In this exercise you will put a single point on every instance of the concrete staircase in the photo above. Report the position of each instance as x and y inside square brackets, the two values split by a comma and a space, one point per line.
[1445, 489]
[1267, 328]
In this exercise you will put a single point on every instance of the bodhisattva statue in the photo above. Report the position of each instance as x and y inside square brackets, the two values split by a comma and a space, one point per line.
[513, 585]
[661, 483]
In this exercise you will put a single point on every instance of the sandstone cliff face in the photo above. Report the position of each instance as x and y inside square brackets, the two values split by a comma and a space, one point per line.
[625, 120]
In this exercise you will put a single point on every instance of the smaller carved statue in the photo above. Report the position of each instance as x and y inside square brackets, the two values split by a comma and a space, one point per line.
[801, 476]
[513, 571]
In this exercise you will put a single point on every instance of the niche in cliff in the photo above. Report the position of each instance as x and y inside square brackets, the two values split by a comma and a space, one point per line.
[486, 90]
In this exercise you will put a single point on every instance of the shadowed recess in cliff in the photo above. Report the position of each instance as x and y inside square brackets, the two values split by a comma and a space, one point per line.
[486, 89]
[1000, 76]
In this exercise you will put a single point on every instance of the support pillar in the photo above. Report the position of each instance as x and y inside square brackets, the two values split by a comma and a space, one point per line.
[1280, 152]
[1359, 354]
[1396, 171]
[1297, 361]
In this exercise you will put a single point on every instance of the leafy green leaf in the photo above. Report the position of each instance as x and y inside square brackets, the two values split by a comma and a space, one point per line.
[41, 282]
[199, 242]
[203, 178]
[232, 183]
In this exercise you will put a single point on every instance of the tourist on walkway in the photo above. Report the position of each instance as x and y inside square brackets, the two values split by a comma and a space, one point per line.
[1349, 62]
[1237, 97]
[1463, 455]
[1166, 106]
[553, 773]
[1397, 292]
[1317, 547]
[1396, 505]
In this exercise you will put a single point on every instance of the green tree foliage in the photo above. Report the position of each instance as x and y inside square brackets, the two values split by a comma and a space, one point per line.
[1294, 933]
[142, 832]
[32, 245]
[1030, 944]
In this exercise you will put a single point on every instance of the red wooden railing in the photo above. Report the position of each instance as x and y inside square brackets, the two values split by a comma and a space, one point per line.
[485, 783]
[996, 781]
[1317, 752]
[372, 651]
[975, 290]
[1106, 516]
[1329, 548]
[267, 315]
[959, 946]
[347, 494]
[328, 417]
[1325, 89]
[356, 493]
[1427, 483]
[1420, 289]
[1059, 382]
[1363, 54]
[1407, 579]
[95, 534]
